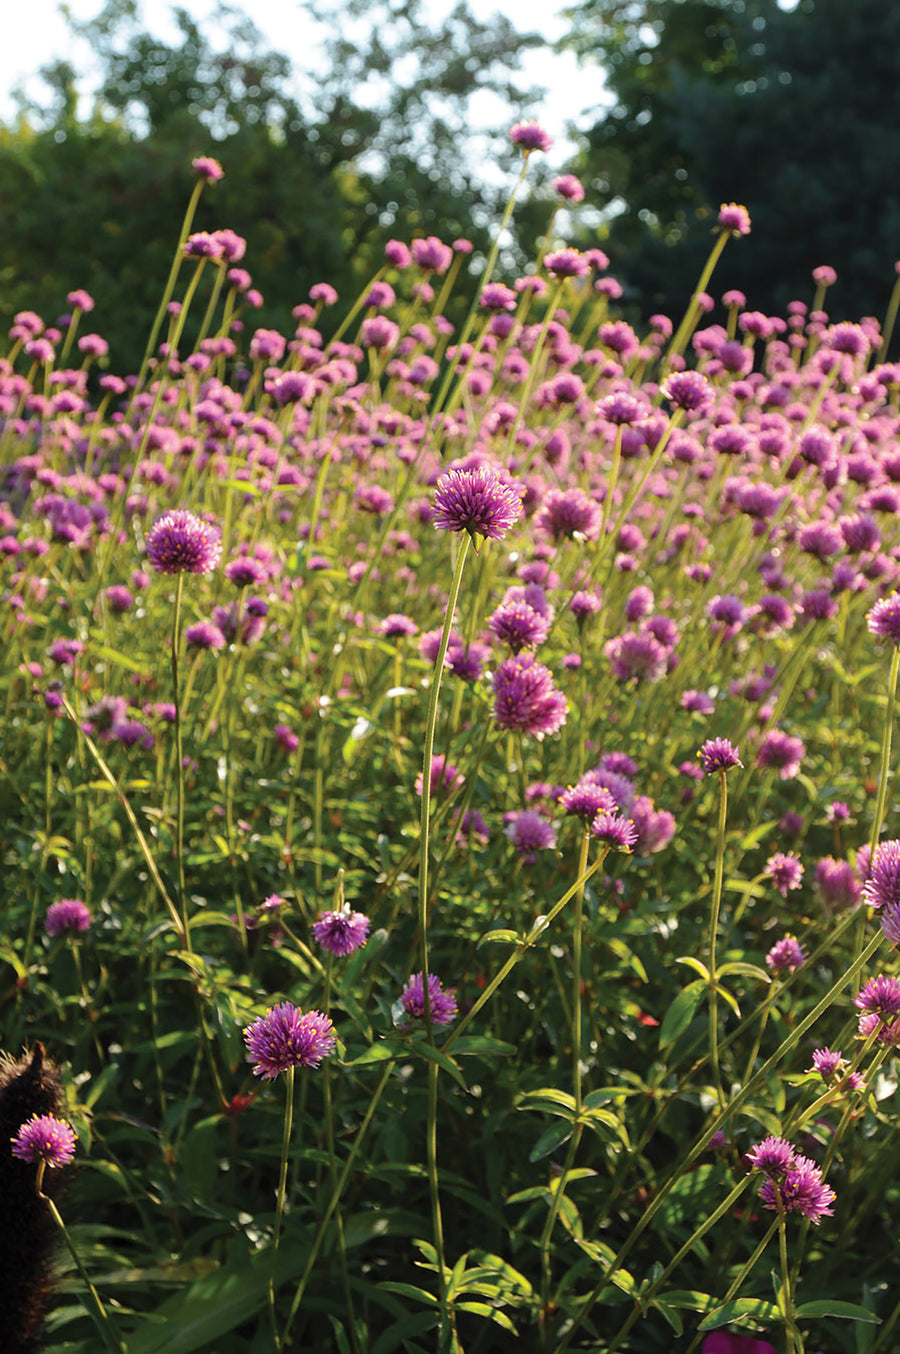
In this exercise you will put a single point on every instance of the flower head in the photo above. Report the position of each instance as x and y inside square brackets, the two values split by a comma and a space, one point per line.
[529, 833]
[69, 917]
[205, 167]
[785, 870]
[882, 886]
[786, 955]
[772, 1155]
[525, 699]
[341, 932]
[802, 1191]
[45, 1138]
[477, 501]
[284, 1037]
[442, 1004]
[615, 830]
[587, 799]
[734, 218]
[718, 754]
[530, 136]
[180, 543]
[884, 618]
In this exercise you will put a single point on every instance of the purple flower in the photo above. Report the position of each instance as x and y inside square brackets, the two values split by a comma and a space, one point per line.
[205, 167]
[728, 1342]
[779, 751]
[786, 955]
[285, 737]
[180, 543]
[519, 625]
[567, 263]
[772, 1155]
[245, 572]
[587, 799]
[884, 618]
[615, 830]
[584, 604]
[119, 598]
[688, 390]
[718, 754]
[569, 187]
[432, 254]
[341, 932]
[444, 776]
[529, 833]
[638, 656]
[397, 626]
[655, 827]
[204, 635]
[525, 699]
[785, 871]
[802, 1191]
[67, 917]
[467, 661]
[878, 1002]
[530, 136]
[475, 501]
[837, 884]
[734, 218]
[827, 1063]
[889, 919]
[567, 513]
[882, 886]
[442, 1004]
[284, 1037]
[45, 1138]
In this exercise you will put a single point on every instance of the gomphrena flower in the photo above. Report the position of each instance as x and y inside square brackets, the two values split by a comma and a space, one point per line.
[884, 618]
[882, 886]
[180, 543]
[69, 916]
[801, 1191]
[341, 932]
[45, 1138]
[718, 754]
[615, 830]
[587, 799]
[284, 1037]
[477, 501]
[878, 1002]
[529, 833]
[735, 218]
[530, 136]
[205, 167]
[785, 871]
[567, 263]
[525, 699]
[442, 1004]
[772, 1155]
[832, 1068]
[688, 390]
[786, 955]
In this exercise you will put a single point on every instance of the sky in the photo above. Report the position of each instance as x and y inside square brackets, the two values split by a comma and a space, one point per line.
[35, 33]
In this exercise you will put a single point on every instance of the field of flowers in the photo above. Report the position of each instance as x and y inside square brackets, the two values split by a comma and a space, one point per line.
[548, 659]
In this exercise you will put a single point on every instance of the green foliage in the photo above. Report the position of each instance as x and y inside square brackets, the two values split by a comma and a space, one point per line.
[789, 112]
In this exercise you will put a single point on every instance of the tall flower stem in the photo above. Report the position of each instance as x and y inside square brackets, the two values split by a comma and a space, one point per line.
[560, 1190]
[718, 880]
[792, 1334]
[430, 723]
[427, 757]
[718, 1121]
[171, 280]
[179, 766]
[280, 1197]
[333, 1202]
[884, 769]
[692, 313]
[101, 1317]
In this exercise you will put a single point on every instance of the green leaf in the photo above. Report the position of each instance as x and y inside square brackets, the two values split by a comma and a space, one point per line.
[113, 656]
[742, 1309]
[548, 1099]
[847, 1311]
[502, 937]
[381, 1052]
[481, 1044]
[695, 964]
[408, 1290]
[681, 1012]
[550, 1140]
[747, 970]
[443, 1060]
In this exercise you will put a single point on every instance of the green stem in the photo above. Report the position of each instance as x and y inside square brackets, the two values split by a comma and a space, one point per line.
[179, 766]
[280, 1197]
[689, 319]
[333, 1202]
[170, 282]
[713, 936]
[104, 1325]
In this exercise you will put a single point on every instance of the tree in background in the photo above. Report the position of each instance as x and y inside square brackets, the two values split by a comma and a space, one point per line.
[316, 180]
[792, 113]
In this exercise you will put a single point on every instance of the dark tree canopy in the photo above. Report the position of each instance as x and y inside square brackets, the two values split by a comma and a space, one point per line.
[322, 166]
[791, 112]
